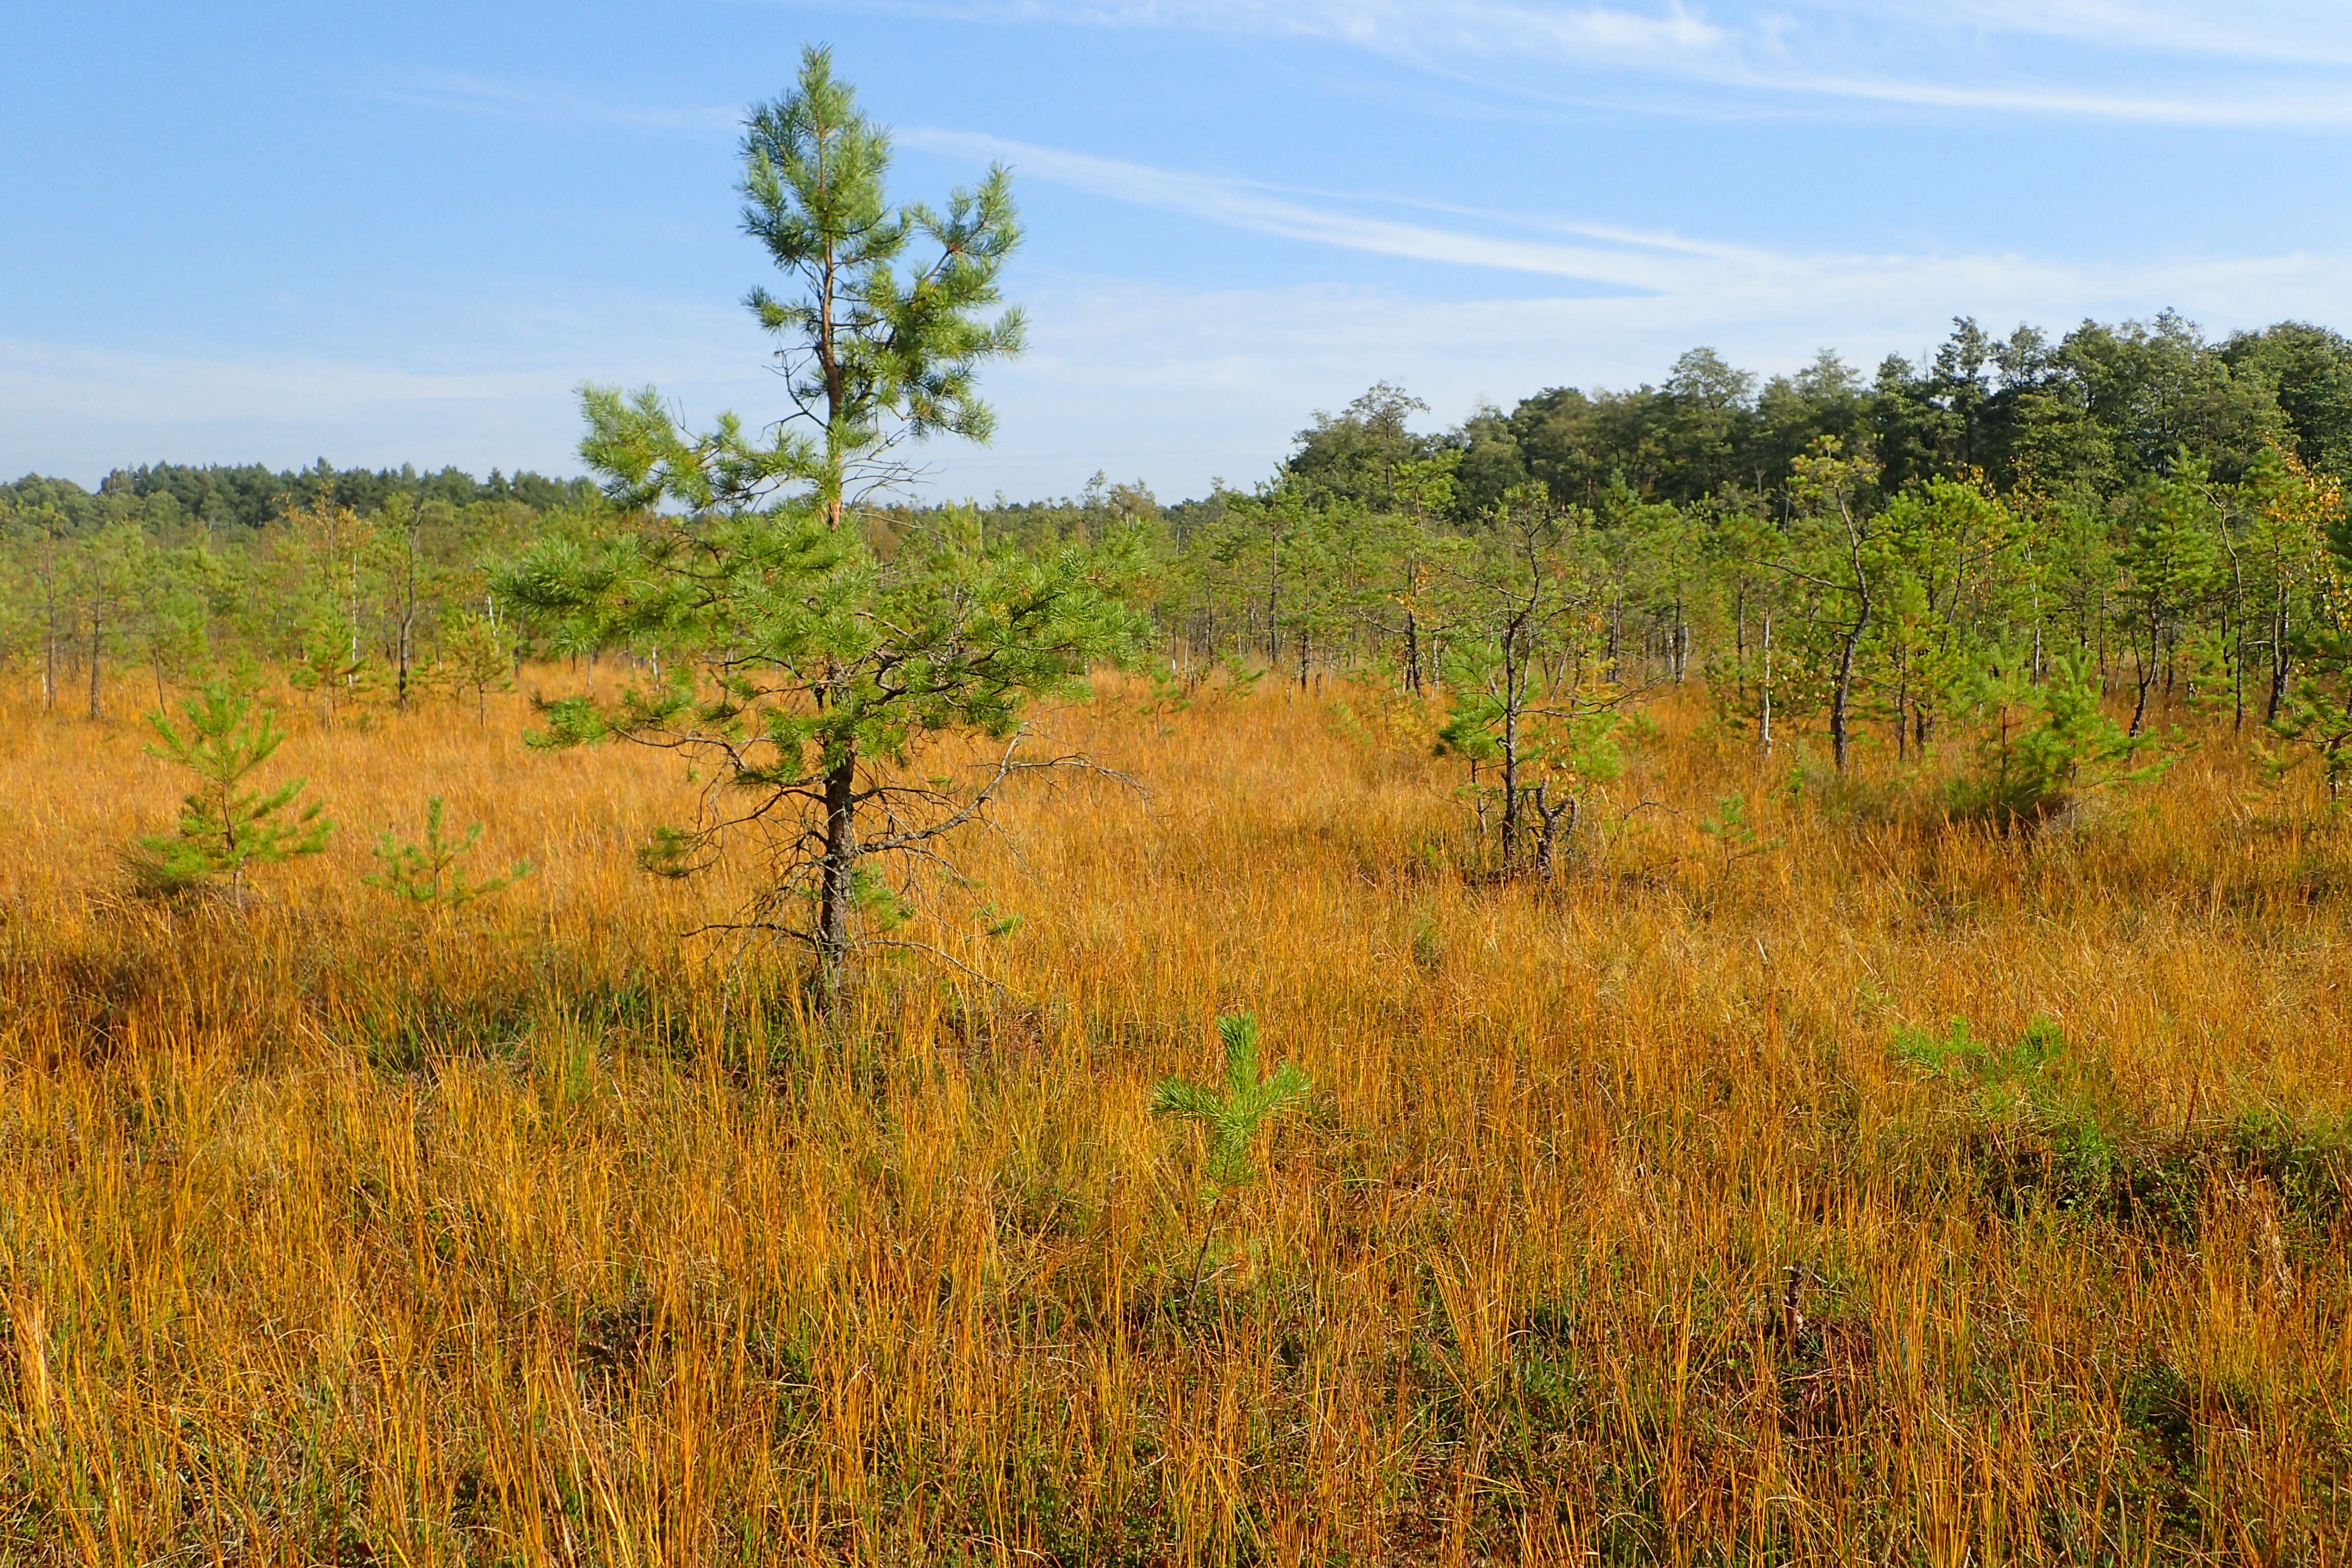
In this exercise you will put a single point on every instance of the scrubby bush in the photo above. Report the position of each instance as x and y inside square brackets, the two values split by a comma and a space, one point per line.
[223, 737]
[2044, 748]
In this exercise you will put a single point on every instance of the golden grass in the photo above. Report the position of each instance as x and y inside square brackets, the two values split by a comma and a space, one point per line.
[328, 1235]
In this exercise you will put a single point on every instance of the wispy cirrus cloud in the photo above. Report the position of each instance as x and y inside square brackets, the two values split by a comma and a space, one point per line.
[1473, 24]
[1677, 269]
[527, 100]
[2297, 31]
[2278, 64]
[1626, 259]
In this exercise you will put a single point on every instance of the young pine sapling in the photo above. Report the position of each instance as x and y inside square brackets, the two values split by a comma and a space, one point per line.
[854, 692]
[224, 827]
[1728, 825]
[428, 874]
[1233, 1114]
[1531, 691]
[475, 658]
[2043, 748]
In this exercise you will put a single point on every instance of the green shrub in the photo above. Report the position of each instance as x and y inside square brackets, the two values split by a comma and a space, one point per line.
[429, 874]
[2042, 749]
[225, 828]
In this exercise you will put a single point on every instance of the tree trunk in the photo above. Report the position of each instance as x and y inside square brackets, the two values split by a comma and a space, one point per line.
[2147, 673]
[837, 884]
[2282, 657]
[1273, 603]
[1841, 700]
[1512, 697]
[1841, 696]
[1554, 817]
[97, 706]
[406, 653]
[2237, 642]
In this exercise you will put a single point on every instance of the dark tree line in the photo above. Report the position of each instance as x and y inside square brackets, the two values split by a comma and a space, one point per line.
[250, 495]
[2079, 417]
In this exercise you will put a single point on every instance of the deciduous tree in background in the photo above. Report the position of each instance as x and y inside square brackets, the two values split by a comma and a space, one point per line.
[1834, 554]
[1531, 688]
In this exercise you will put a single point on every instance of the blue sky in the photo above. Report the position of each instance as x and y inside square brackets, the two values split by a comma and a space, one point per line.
[382, 234]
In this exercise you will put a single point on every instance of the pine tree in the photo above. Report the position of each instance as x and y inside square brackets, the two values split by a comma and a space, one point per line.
[1837, 557]
[225, 827]
[1234, 1113]
[2314, 708]
[475, 658]
[430, 873]
[2043, 747]
[2172, 565]
[1237, 1109]
[1531, 691]
[817, 664]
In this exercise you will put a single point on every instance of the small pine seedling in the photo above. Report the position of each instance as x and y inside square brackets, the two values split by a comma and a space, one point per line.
[429, 874]
[1729, 826]
[1958, 1054]
[1234, 1114]
[224, 827]
[1999, 1080]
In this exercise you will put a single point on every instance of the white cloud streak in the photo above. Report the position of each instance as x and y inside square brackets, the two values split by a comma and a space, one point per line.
[2151, 61]
[2293, 32]
[517, 101]
[1173, 385]
[1682, 275]
[1658, 262]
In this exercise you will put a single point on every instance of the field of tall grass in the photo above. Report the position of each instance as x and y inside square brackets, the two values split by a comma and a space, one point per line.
[1800, 1181]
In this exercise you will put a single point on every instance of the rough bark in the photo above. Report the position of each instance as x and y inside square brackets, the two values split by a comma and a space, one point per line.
[837, 878]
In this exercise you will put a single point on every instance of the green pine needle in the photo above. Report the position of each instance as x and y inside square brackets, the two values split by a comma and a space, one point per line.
[1235, 1113]
[429, 874]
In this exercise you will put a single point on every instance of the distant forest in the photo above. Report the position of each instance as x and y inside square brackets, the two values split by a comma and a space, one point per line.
[2136, 506]
[250, 495]
[2079, 417]
[2085, 412]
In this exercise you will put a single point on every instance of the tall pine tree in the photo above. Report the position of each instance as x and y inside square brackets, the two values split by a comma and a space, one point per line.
[818, 663]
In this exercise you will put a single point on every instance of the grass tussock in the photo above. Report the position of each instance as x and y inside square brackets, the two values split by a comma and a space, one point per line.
[1659, 1213]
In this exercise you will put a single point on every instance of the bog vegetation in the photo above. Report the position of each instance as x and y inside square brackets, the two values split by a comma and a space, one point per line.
[1714, 973]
